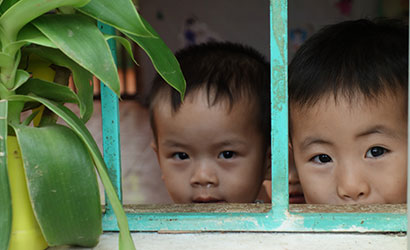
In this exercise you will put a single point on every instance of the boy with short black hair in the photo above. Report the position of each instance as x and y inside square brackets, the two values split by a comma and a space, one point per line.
[215, 145]
[348, 113]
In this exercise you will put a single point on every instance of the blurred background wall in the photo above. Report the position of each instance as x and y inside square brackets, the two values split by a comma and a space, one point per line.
[184, 22]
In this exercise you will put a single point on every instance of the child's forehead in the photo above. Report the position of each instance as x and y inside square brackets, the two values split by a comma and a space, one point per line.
[330, 121]
[352, 102]
[196, 115]
[211, 100]
[362, 109]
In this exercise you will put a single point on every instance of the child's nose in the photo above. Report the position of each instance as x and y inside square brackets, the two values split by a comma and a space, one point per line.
[204, 175]
[351, 186]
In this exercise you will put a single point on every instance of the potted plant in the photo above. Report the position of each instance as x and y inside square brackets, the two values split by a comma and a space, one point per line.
[46, 168]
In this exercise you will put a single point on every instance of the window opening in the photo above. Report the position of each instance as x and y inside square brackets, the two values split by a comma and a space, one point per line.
[278, 218]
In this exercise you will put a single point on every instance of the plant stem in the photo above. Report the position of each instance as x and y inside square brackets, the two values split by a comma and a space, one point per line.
[8, 73]
[14, 107]
[14, 112]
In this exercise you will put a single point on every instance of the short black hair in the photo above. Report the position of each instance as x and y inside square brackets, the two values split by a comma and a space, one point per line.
[227, 72]
[352, 58]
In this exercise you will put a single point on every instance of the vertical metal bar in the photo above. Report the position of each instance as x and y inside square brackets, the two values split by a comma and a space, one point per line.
[279, 105]
[111, 127]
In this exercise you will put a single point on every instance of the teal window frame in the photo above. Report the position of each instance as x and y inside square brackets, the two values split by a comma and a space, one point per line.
[279, 218]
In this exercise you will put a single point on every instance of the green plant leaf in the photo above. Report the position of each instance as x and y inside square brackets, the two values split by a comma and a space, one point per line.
[4, 59]
[79, 128]
[5, 5]
[5, 198]
[49, 90]
[162, 58]
[21, 77]
[24, 11]
[66, 10]
[81, 77]
[120, 14]
[79, 38]
[124, 42]
[62, 185]
[30, 118]
[30, 34]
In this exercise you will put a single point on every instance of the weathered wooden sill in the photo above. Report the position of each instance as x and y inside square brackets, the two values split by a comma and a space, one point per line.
[264, 208]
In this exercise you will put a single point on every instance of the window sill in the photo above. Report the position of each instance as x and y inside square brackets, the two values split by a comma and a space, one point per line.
[256, 241]
[264, 208]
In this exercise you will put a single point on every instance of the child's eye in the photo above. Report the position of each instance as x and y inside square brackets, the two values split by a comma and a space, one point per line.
[321, 159]
[180, 156]
[227, 154]
[374, 152]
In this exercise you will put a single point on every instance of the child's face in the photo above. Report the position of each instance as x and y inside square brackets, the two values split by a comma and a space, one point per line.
[210, 154]
[352, 153]
[295, 188]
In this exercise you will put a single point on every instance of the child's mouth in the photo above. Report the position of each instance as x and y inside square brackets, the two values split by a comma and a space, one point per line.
[207, 200]
[296, 198]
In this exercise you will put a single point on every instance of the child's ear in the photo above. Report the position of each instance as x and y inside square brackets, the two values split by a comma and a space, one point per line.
[154, 146]
[268, 164]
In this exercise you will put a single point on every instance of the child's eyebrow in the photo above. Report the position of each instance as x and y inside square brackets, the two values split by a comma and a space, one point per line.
[231, 143]
[172, 143]
[313, 140]
[378, 129]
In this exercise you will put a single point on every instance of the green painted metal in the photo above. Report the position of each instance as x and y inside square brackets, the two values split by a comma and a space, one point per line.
[285, 222]
[279, 219]
[279, 105]
[111, 129]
